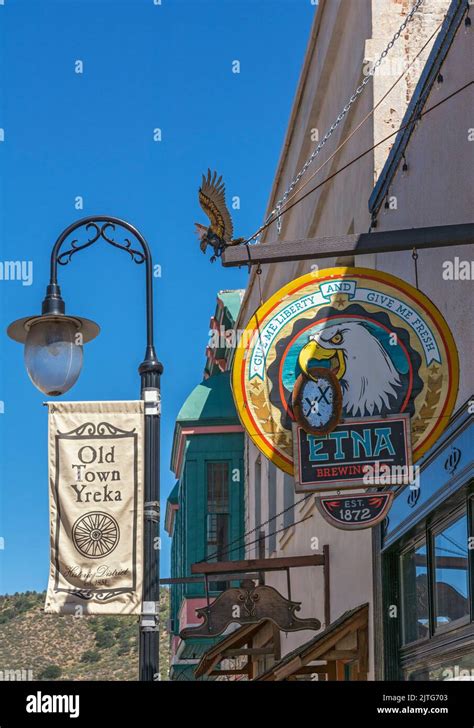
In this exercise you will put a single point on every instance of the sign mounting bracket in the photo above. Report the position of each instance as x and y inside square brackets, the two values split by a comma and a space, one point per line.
[386, 241]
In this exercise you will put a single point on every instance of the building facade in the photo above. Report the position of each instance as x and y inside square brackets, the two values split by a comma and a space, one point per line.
[424, 559]
[205, 510]
[421, 178]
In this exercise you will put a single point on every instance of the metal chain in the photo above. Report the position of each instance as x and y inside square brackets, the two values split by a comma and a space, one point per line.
[414, 255]
[259, 278]
[353, 98]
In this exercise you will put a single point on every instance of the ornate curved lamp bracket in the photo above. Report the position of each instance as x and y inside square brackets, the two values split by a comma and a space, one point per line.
[136, 255]
[105, 228]
[106, 231]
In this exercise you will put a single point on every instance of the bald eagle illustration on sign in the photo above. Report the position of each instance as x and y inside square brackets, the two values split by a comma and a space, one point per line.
[356, 349]
[385, 342]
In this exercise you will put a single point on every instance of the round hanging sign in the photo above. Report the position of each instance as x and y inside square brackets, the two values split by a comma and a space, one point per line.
[384, 341]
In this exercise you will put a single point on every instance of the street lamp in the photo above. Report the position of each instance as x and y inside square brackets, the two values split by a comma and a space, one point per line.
[53, 358]
[53, 349]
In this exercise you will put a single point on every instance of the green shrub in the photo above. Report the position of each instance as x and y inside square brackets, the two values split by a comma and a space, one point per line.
[6, 615]
[90, 656]
[124, 635]
[104, 639]
[52, 672]
[110, 623]
[22, 604]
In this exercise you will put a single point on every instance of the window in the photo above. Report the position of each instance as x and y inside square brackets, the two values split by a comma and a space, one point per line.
[218, 516]
[434, 580]
[454, 667]
[414, 583]
[216, 535]
[451, 578]
[218, 487]
[430, 577]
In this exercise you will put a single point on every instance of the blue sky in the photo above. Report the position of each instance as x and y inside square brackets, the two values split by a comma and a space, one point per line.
[66, 135]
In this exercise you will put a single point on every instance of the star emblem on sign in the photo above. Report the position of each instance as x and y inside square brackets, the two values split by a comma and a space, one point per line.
[340, 300]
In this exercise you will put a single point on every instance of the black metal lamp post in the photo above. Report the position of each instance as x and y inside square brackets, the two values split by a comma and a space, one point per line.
[53, 357]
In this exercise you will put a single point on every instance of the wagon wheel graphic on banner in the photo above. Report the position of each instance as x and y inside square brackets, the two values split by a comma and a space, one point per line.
[95, 534]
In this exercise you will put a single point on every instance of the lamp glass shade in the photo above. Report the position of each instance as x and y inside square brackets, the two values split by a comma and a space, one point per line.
[53, 359]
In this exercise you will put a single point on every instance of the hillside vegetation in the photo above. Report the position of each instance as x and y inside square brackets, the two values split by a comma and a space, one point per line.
[58, 647]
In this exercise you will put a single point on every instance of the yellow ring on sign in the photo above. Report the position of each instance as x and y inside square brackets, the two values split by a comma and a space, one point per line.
[259, 437]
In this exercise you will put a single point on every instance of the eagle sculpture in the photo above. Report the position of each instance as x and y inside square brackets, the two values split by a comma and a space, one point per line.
[212, 200]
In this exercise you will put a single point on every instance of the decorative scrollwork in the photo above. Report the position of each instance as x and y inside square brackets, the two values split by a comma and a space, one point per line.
[88, 594]
[89, 429]
[106, 232]
[104, 428]
[65, 257]
[136, 255]
[260, 603]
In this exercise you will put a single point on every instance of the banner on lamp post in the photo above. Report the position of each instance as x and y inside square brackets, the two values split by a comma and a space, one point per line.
[96, 507]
